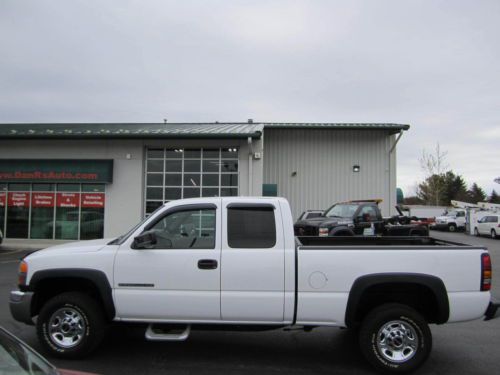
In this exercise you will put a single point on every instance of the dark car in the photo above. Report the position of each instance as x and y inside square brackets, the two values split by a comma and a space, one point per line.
[357, 218]
[17, 358]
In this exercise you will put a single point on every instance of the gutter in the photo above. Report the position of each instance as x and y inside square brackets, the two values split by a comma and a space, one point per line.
[255, 135]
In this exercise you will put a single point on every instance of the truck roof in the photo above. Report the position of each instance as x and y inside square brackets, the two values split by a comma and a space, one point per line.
[232, 199]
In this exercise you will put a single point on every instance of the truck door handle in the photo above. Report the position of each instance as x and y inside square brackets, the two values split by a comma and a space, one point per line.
[207, 264]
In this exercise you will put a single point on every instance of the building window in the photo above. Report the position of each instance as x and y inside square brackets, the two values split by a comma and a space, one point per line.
[175, 173]
[52, 211]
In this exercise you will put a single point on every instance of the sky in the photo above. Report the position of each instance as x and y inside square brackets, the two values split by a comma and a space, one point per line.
[432, 64]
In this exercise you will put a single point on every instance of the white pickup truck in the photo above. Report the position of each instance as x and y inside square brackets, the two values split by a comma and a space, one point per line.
[235, 262]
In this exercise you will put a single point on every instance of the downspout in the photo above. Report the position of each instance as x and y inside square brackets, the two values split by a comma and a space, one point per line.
[390, 168]
[250, 166]
[395, 143]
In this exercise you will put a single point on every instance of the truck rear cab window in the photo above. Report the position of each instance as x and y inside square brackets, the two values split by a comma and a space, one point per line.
[251, 227]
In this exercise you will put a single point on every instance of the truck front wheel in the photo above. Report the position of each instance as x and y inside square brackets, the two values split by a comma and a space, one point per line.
[71, 325]
[395, 338]
[452, 228]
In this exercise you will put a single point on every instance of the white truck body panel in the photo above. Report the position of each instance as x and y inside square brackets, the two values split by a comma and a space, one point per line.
[326, 278]
[252, 280]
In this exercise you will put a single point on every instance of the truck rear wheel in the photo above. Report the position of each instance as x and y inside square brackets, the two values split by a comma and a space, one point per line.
[71, 325]
[395, 338]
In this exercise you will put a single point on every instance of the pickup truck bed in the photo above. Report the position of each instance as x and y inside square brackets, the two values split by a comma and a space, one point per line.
[234, 263]
[355, 266]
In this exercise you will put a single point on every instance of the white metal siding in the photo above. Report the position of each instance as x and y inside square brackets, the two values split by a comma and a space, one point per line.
[324, 160]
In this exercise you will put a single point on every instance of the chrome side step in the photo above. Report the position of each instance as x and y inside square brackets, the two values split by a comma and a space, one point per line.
[167, 332]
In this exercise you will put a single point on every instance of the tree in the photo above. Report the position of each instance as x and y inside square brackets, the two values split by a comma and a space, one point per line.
[434, 166]
[452, 187]
[494, 198]
[430, 191]
[476, 194]
[455, 188]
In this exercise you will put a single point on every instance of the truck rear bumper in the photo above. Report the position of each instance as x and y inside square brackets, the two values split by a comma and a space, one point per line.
[20, 306]
[493, 311]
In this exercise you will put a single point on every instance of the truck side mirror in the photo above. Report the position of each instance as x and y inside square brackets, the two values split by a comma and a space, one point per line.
[145, 240]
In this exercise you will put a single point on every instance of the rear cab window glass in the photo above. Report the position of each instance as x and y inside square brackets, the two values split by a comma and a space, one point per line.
[251, 227]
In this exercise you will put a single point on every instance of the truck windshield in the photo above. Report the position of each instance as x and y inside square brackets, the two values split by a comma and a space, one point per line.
[123, 237]
[342, 210]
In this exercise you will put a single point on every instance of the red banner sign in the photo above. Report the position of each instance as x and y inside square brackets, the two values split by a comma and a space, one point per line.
[16, 199]
[68, 200]
[3, 198]
[42, 200]
[92, 200]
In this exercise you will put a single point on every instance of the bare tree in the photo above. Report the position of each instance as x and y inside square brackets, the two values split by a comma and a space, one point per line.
[434, 166]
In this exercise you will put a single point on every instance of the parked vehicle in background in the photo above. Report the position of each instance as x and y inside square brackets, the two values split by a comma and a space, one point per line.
[234, 263]
[453, 220]
[17, 358]
[488, 225]
[361, 217]
[423, 212]
[1, 236]
[309, 214]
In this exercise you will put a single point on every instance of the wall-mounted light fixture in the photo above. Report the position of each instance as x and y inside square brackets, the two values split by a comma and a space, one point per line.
[356, 168]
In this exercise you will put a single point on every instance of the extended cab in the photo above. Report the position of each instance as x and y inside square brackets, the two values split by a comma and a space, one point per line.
[235, 263]
[357, 218]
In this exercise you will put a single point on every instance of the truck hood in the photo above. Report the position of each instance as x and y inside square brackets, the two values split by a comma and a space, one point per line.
[73, 247]
[445, 218]
[323, 221]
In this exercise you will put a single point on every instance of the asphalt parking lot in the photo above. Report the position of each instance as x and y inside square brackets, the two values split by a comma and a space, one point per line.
[463, 348]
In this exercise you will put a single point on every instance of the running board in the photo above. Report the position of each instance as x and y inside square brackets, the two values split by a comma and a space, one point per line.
[168, 332]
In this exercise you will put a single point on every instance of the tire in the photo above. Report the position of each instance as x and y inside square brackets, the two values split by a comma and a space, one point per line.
[71, 325]
[452, 228]
[476, 232]
[493, 234]
[410, 344]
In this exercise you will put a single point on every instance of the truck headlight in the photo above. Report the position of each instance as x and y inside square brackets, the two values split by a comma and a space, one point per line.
[323, 232]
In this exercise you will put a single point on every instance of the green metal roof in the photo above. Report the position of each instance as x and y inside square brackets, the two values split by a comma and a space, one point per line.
[392, 128]
[131, 130]
[170, 130]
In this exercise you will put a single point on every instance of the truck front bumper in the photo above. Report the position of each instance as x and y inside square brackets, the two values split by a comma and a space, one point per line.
[20, 306]
[493, 311]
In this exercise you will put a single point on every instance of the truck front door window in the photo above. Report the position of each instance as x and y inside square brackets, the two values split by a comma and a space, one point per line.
[192, 229]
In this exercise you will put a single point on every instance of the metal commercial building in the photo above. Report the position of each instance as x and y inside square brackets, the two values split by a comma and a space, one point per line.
[83, 181]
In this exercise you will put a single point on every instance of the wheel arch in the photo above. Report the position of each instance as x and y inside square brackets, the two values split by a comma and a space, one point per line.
[370, 291]
[341, 231]
[48, 283]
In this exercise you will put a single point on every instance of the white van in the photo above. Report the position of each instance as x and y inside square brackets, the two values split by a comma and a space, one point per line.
[488, 225]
